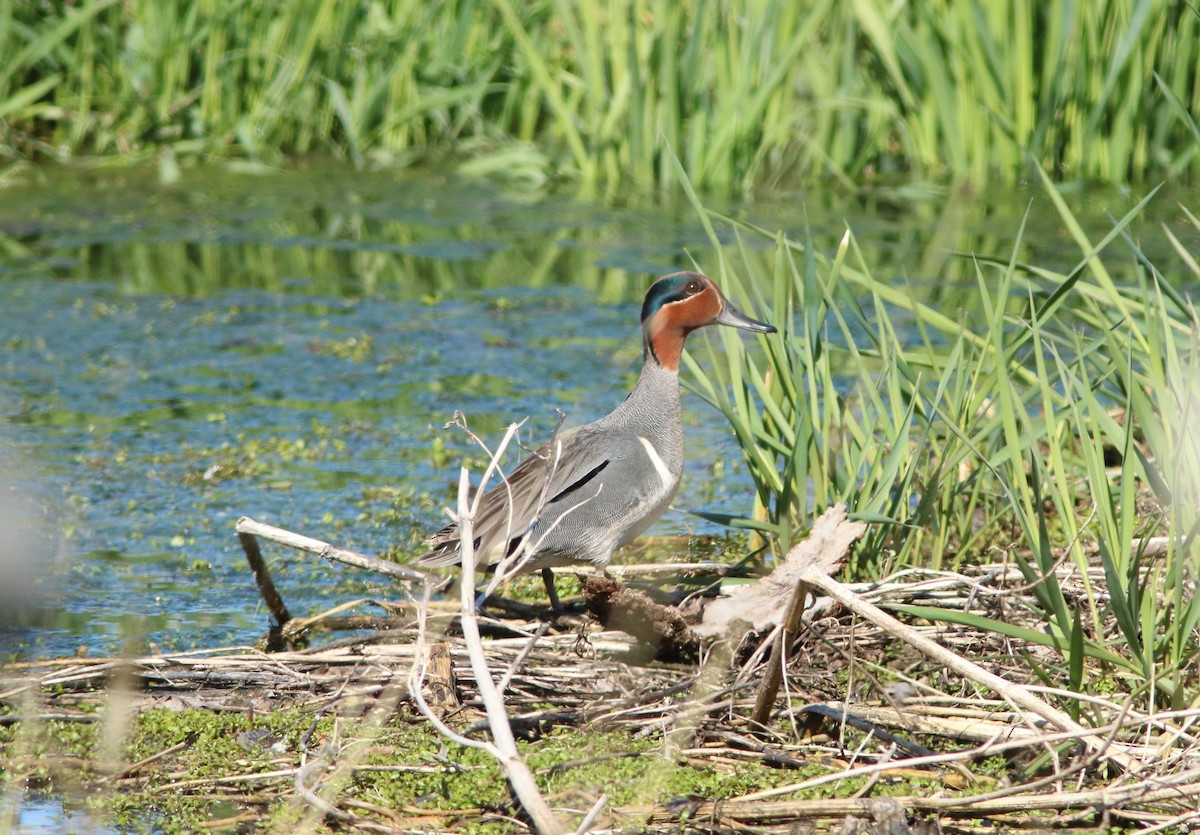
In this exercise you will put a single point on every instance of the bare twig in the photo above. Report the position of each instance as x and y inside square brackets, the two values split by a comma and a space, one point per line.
[503, 748]
[828, 544]
[1014, 693]
[416, 687]
[986, 750]
[1154, 546]
[311, 797]
[520, 659]
[505, 745]
[130, 770]
[593, 813]
[512, 564]
[1181, 788]
[337, 762]
[266, 586]
[328, 552]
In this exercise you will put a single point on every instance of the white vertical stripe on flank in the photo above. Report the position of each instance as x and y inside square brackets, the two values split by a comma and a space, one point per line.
[657, 461]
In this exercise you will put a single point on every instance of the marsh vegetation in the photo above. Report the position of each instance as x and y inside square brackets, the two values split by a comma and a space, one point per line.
[994, 367]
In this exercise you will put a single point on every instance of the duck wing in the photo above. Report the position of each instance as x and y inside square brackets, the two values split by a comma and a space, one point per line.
[554, 471]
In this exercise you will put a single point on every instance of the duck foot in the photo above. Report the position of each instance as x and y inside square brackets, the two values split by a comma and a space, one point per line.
[556, 608]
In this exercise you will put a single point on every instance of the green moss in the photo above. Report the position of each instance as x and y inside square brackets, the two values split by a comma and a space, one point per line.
[41, 756]
[215, 741]
[572, 767]
[213, 745]
[45, 744]
[461, 778]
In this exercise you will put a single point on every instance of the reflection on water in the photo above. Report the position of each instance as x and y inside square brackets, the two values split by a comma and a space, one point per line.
[289, 347]
[51, 815]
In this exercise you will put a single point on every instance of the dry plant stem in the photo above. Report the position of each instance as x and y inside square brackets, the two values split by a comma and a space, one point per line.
[328, 552]
[130, 770]
[310, 797]
[506, 753]
[784, 633]
[985, 750]
[511, 564]
[1174, 824]
[17, 718]
[716, 569]
[1013, 693]
[303, 624]
[335, 763]
[1153, 546]
[416, 686]
[1180, 788]
[593, 813]
[262, 577]
[520, 659]
[350, 623]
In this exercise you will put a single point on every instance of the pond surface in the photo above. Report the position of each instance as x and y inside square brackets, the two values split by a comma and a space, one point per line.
[289, 346]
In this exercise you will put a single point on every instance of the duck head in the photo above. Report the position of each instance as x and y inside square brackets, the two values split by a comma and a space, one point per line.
[678, 304]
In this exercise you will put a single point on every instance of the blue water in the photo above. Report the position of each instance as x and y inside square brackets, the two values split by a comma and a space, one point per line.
[290, 347]
[52, 815]
[127, 403]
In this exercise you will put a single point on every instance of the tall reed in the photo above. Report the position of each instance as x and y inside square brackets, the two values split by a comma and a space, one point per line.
[749, 93]
[1053, 419]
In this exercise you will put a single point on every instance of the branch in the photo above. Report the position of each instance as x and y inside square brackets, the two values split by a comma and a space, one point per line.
[325, 551]
[506, 753]
[262, 577]
[1015, 694]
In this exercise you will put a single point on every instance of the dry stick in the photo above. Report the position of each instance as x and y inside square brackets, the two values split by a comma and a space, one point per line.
[1181, 787]
[1174, 823]
[1154, 546]
[266, 586]
[349, 623]
[769, 687]
[328, 619]
[522, 655]
[225, 779]
[827, 546]
[1172, 788]
[1013, 693]
[718, 569]
[16, 718]
[506, 753]
[130, 770]
[586, 824]
[328, 552]
[336, 768]
[311, 797]
[985, 750]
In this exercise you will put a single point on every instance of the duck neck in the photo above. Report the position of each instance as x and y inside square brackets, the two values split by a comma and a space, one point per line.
[653, 405]
[663, 347]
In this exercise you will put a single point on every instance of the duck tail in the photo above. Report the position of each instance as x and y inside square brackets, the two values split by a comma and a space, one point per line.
[442, 555]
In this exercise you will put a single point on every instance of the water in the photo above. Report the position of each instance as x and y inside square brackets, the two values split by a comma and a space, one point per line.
[289, 347]
[45, 814]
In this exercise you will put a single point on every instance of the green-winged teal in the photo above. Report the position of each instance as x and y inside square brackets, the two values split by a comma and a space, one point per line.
[610, 479]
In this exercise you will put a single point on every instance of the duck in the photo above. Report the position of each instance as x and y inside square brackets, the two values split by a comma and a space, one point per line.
[595, 487]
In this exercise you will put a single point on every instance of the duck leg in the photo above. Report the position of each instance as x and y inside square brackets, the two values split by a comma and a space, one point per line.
[551, 591]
